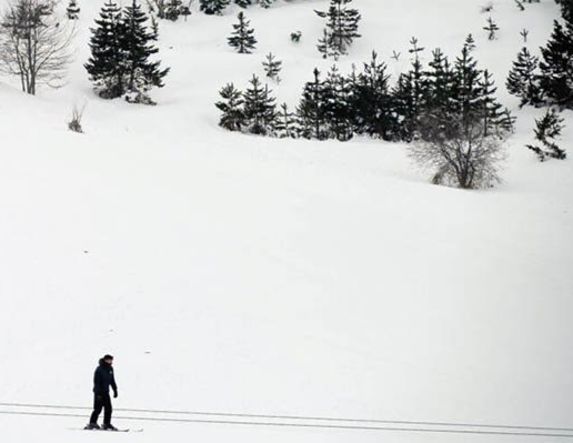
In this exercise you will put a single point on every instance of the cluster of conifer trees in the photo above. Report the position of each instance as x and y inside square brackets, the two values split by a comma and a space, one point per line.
[121, 47]
[549, 80]
[337, 106]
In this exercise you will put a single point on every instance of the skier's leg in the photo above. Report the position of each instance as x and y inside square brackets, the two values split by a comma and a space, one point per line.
[98, 404]
[107, 410]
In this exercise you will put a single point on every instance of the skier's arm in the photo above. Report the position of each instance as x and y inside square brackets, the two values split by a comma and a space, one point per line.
[113, 385]
[97, 381]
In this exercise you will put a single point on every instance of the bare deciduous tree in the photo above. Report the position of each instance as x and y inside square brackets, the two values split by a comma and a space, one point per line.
[34, 45]
[458, 153]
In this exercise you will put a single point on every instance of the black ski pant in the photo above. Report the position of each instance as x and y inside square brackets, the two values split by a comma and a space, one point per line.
[102, 401]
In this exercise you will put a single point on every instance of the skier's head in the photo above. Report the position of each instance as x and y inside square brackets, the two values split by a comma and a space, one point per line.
[108, 359]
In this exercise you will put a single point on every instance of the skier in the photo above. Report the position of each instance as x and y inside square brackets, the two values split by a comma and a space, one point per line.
[103, 379]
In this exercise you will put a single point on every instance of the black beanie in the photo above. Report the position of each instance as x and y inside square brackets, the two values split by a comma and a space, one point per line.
[107, 357]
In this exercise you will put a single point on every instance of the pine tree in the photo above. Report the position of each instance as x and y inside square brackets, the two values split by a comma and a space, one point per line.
[259, 108]
[467, 92]
[470, 42]
[272, 67]
[311, 110]
[556, 79]
[212, 7]
[233, 117]
[547, 131]
[73, 10]
[105, 66]
[337, 111]
[323, 45]
[411, 94]
[142, 74]
[342, 27]
[242, 38]
[370, 101]
[491, 28]
[496, 119]
[523, 81]
[286, 124]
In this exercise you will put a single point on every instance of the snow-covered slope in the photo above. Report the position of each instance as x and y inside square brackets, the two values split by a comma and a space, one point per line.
[246, 274]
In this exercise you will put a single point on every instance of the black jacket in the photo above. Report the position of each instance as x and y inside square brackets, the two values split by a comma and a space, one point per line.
[103, 379]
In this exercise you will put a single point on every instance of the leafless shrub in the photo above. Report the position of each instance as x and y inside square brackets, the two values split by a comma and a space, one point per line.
[75, 124]
[458, 153]
[34, 45]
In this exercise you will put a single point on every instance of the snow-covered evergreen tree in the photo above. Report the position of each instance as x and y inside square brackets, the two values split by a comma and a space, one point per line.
[232, 117]
[265, 3]
[73, 10]
[213, 6]
[496, 119]
[272, 67]
[286, 124]
[523, 80]
[556, 79]
[173, 9]
[142, 73]
[337, 111]
[467, 91]
[259, 108]
[105, 66]
[311, 110]
[342, 27]
[242, 38]
[547, 131]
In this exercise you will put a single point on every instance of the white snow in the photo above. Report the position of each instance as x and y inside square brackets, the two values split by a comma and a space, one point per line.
[234, 273]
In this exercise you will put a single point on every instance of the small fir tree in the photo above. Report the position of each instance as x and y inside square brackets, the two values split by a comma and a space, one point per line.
[342, 27]
[272, 67]
[496, 120]
[311, 110]
[337, 110]
[73, 10]
[242, 38]
[243, 3]
[286, 124]
[232, 117]
[259, 108]
[491, 28]
[212, 7]
[523, 80]
[547, 131]
[265, 3]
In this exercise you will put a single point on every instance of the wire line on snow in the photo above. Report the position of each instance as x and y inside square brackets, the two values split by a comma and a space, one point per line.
[306, 425]
[301, 417]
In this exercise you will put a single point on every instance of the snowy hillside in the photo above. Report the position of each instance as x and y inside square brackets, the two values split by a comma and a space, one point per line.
[242, 274]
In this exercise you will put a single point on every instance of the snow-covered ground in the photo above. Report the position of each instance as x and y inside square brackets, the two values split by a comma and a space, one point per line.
[233, 273]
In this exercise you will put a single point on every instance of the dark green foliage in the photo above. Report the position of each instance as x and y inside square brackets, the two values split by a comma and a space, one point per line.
[272, 67]
[259, 109]
[286, 124]
[121, 47]
[233, 117]
[243, 3]
[371, 102]
[337, 111]
[341, 28]
[556, 79]
[523, 81]
[496, 120]
[105, 64]
[547, 131]
[212, 7]
[311, 110]
[242, 38]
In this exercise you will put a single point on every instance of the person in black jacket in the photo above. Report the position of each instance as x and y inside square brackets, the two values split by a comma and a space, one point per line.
[103, 379]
